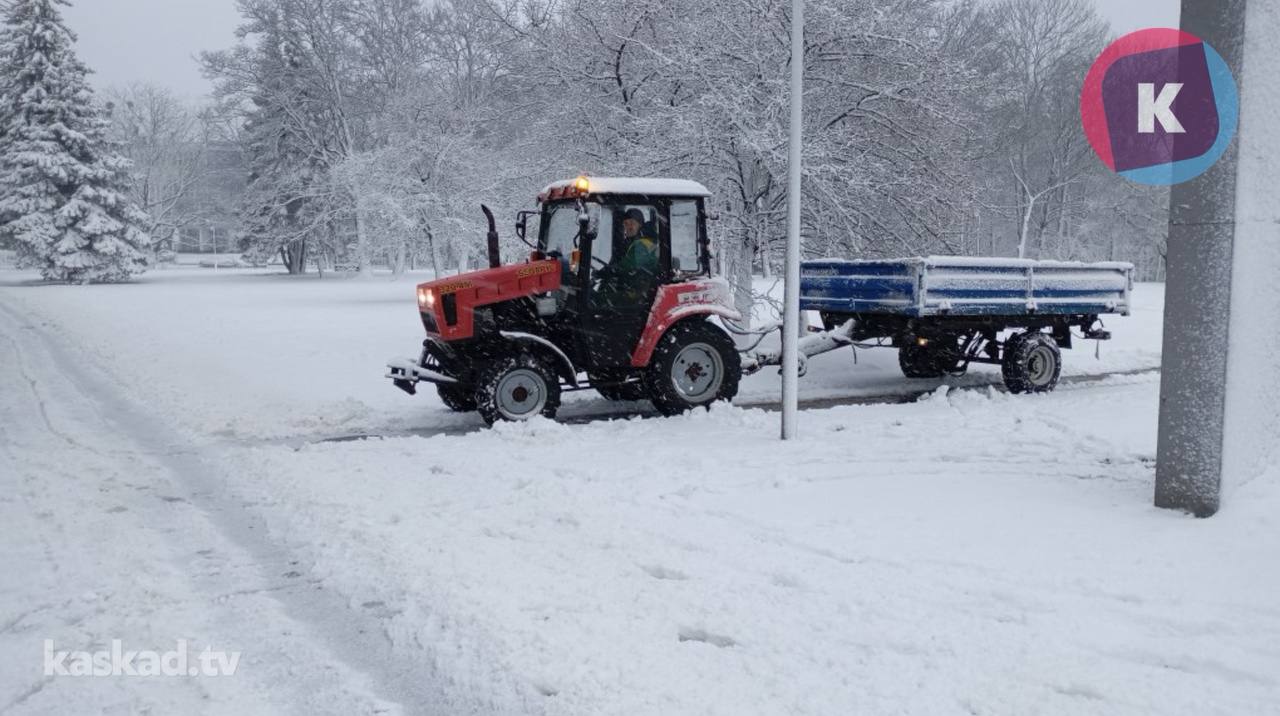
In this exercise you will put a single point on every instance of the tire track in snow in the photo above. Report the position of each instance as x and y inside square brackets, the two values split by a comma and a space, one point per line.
[357, 639]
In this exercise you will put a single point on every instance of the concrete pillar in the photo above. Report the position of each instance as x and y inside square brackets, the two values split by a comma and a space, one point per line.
[1220, 390]
[1198, 300]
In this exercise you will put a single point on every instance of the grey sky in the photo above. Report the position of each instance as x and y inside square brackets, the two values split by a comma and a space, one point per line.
[157, 40]
[1129, 15]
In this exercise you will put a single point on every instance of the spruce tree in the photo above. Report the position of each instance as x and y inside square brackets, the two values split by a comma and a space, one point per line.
[279, 217]
[62, 184]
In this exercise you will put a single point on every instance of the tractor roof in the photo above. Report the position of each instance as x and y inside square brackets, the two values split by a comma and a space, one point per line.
[652, 186]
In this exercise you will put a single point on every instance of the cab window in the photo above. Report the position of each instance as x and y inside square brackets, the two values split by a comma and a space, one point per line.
[685, 256]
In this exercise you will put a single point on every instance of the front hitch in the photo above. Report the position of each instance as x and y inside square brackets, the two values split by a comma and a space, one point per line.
[406, 373]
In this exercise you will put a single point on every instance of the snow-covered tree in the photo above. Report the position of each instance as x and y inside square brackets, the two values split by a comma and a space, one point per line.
[166, 142]
[931, 126]
[63, 198]
[282, 207]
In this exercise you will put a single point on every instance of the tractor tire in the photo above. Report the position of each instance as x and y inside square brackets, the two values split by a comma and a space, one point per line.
[517, 388]
[694, 365]
[1032, 363]
[612, 388]
[458, 398]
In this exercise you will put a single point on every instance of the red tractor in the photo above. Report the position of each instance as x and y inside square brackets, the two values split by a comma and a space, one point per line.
[615, 297]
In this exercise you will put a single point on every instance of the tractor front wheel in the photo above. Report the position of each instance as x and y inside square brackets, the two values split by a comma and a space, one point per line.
[694, 365]
[457, 398]
[517, 388]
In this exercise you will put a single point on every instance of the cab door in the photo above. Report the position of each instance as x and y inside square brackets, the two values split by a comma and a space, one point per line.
[617, 302]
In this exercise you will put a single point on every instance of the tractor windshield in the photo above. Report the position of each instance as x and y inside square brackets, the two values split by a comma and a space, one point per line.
[560, 227]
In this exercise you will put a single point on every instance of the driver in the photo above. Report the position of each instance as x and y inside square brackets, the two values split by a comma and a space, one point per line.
[640, 257]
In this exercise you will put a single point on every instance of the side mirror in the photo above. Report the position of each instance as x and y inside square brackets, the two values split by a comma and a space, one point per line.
[588, 221]
[522, 227]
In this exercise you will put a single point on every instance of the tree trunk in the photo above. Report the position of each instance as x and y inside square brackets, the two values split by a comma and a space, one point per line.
[399, 260]
[1026, 229]
[740, 277]
[363, 249]
[435, 253]
[294, 257]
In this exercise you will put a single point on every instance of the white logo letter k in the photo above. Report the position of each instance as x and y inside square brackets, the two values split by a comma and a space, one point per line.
[1151, 108]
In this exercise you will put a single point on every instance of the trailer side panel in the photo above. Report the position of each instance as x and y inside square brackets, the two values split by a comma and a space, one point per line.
[955, 286]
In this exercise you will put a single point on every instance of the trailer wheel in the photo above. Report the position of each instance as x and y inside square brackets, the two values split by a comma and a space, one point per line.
[695, 364]
[932, 361]
[1032, 363]
[917, 362]
[457, 398]
[517, 388]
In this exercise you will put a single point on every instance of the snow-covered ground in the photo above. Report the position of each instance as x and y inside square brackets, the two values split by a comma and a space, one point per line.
[253, 355]
[973, 552]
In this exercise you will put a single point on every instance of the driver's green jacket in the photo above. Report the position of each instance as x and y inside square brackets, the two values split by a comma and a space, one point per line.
[633, 275]
[641, 258]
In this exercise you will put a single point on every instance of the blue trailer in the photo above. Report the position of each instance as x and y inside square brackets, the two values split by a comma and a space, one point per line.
[945, 313]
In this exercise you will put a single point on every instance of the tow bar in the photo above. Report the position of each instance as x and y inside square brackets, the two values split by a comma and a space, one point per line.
[814, 344]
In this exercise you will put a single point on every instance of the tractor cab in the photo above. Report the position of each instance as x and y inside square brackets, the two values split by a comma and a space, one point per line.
[615, 297]
[619, 241]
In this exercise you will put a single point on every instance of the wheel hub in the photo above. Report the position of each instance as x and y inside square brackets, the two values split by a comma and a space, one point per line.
[694, 372]
[697, 372]
[521, 394]
[1040, 366]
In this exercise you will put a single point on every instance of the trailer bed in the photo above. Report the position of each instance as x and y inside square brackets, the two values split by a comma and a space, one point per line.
[962, 286]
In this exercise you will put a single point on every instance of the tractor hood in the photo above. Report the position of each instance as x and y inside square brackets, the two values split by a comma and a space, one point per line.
[448, 304]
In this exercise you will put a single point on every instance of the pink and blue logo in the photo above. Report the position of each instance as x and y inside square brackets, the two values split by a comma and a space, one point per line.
[1159, 106]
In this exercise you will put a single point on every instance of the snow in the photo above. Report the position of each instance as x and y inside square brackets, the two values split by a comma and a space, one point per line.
[637, 185]
[103, 540]
[973, 552]
[250, 354]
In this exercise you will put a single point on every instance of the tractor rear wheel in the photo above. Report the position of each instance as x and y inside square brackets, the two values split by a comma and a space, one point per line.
[457, 398]
[517, 388]
[1032, 363]
[694, 365]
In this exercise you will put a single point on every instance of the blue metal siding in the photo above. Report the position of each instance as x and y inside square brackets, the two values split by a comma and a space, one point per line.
[958, 286]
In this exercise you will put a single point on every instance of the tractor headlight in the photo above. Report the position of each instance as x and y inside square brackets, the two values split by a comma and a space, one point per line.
[426, 299]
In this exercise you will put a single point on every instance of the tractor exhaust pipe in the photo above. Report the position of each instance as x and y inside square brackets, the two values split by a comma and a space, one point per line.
[495, 259]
